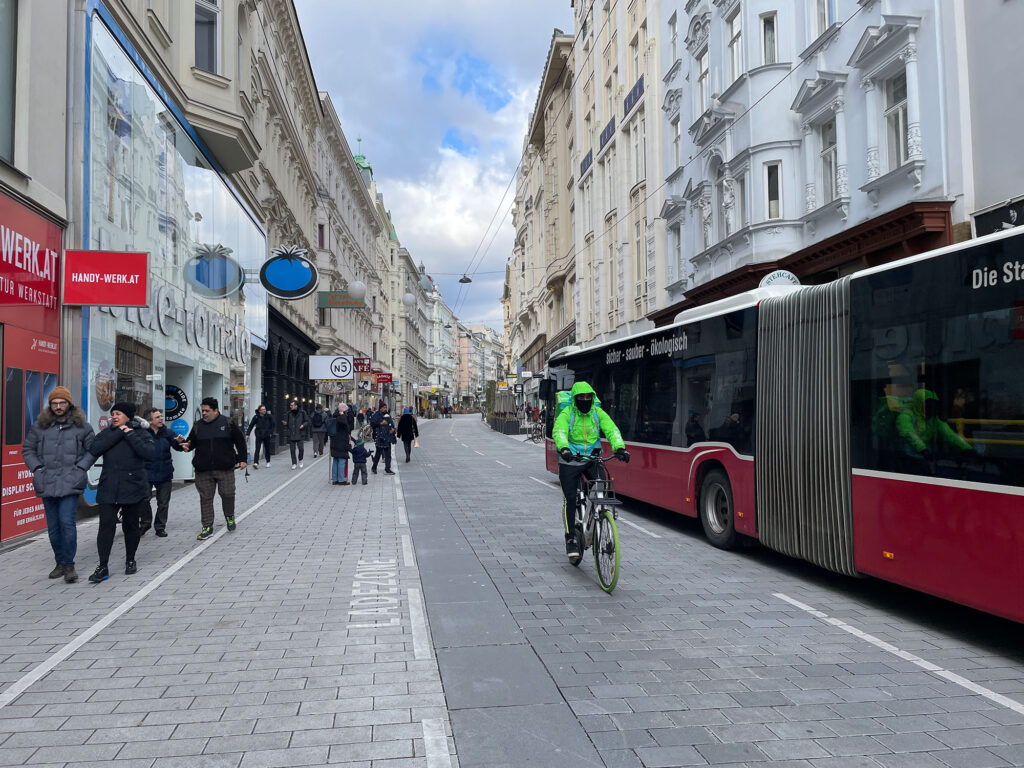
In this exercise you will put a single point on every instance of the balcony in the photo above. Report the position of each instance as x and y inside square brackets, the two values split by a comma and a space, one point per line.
[633, 96]
[587, 162]
[607, 133]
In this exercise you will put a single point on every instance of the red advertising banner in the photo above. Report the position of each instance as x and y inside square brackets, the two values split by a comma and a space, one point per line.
[361, 365]
[29, 263]
[384, 378]
[106, 278]
[30, 361]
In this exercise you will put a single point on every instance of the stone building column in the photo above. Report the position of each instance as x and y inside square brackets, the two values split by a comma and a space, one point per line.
[871, 110]
[810, 188]
[909, 56]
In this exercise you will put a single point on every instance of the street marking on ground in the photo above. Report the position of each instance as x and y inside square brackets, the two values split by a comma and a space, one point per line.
[924, 664]
[408, 558]
[545, 483]
[642, 530]
[21, 685]
[478, 452]
[435, 744]
[375, 594]
[504, 464]
[403, 518]
[421, 644]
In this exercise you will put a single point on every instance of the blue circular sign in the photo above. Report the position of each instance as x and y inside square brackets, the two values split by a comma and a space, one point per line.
[289, 274]
[175, 402]
[213, 273]
[179, 427]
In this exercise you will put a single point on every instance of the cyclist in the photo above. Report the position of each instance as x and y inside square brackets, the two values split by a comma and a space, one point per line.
[577, 432]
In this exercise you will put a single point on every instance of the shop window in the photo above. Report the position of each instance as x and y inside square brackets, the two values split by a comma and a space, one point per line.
[8, 57]
[208, 35]
[133, 362]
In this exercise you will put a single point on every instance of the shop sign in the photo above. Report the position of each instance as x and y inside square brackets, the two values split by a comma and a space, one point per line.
[385, 378]
[288, 274]
[338, 300]
[365, 381]
[502, 386]
[330, 367]
[106, 278]
[29, 254]
[31, 362]
[361, 365]
[331, 388]
[781, 277]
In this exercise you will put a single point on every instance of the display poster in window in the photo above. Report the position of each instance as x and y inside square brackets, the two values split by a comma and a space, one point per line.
[30, 361]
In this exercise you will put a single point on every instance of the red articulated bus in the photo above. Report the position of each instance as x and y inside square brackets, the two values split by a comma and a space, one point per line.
[872, 426]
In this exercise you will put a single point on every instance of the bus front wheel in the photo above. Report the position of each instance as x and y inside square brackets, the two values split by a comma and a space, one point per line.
[716, 510]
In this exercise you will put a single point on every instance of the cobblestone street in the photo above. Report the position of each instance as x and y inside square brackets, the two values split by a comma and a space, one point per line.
[430, 619]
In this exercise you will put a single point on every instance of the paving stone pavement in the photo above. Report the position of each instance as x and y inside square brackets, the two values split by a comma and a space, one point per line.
[431, 619]
[299, 639]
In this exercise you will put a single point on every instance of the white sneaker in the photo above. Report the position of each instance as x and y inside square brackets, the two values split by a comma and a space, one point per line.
[293, 466]
[300, 463]
[268, 463]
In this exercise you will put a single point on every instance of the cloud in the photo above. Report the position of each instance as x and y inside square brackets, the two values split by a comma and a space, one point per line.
[440, 91]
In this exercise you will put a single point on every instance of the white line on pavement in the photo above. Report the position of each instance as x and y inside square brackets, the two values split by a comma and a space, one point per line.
[504, 464]
[545, 483]
[421, 644]
[435, 744]
[408, 558]
[963, 682]
[642, 530]
[403, 518]
[478, 452]
[21, 685]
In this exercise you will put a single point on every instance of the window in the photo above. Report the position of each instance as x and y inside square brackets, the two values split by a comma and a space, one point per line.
[609, 178]
[720, 209]
[673, 38]
[207, 35]
[8, 57]
[741, 201]
[634, 56]
[320, 235]
[773, 185]
[677, 140]
[825, 15]
[678, 240]
[638, 161]
[702, 82]
[735, 54]
[828, 159]
[769, 44]
[323, 317]
[609, 96]
[896, 119]
[640, 257]
[611, 275]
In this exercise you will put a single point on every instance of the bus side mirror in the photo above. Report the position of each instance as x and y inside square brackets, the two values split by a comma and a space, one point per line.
[547, 389]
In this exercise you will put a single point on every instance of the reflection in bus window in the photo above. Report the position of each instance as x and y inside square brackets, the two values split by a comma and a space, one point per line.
[620, 397]
[658, 404]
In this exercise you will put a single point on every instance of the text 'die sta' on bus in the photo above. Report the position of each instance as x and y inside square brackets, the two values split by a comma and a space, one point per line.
[872, 426]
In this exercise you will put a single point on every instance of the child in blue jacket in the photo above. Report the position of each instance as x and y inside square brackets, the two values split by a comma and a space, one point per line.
[359, 458]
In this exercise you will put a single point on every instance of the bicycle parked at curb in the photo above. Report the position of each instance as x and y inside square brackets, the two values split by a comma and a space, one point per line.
[595, 517]
[536, 432]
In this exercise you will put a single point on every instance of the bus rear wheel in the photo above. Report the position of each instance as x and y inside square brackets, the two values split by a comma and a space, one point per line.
[717, 514]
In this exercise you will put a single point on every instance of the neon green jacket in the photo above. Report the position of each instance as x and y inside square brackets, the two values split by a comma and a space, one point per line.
[581, 432]
[920, 433]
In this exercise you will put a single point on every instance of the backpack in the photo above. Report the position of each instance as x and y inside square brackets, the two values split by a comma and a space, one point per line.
[563, 400]
[317, 419]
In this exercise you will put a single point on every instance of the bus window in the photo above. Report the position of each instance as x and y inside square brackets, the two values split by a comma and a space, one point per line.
[697, 374]
[619, 399]
[658, 403]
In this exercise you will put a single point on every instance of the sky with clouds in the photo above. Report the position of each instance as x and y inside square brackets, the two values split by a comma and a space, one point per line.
[440, 92]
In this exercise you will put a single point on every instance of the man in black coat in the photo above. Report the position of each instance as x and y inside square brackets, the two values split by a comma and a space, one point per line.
[383, 437]
[220, 450]
[295, 426]
[125, 447]
[262, 423]
[160, 471]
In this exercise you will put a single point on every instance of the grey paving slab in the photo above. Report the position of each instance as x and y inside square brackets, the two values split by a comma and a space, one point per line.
[495, 676]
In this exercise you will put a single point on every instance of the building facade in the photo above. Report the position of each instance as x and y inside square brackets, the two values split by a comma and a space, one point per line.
[800, 135]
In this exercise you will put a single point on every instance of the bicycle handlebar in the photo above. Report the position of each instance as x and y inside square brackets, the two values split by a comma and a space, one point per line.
[581, 458]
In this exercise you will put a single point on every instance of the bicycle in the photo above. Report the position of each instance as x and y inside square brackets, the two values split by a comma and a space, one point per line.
[595, 518]
[536, 433]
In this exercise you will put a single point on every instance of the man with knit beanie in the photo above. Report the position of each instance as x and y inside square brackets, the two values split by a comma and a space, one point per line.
[56, 449]
[125, 446]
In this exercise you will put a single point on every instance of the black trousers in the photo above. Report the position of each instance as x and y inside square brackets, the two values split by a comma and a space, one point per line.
[163, 501]
[408, 448]
[569, 478]
[130, 522]
[293, 445]
[263, 442]
[385, 451]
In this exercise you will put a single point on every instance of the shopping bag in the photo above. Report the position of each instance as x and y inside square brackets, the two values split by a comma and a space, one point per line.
[416, 443]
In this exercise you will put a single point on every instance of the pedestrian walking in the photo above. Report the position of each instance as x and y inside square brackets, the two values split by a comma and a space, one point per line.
[220, 449]
[383, 437]
[159, 472]
[341, 437]
[125, 446]
[318, 426]
[350, 414]
[361, 417]
[408, 430]
[295, 426]
[359, 458]
[56, 450]
[262, 424]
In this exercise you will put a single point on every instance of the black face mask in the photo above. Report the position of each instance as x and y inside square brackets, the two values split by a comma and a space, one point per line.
[584, 406]
[931, 409]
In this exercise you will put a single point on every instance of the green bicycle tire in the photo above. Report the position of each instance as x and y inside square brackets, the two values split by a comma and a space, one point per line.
[606, 551]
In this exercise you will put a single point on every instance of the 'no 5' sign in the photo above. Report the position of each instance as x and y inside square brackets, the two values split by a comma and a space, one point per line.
[338, 367]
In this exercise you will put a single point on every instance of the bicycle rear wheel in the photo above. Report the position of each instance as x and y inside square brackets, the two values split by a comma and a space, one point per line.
[606, 550]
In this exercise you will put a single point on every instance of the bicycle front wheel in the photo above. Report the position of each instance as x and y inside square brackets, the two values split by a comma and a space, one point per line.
[606, 550]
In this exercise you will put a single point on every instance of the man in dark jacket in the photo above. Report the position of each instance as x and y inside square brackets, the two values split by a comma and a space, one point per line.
[220, 449]
[160, 471]
[341, 437]
[318, 426]
[408, 430]
[262, 424]
[294, 430]
[56, 449]
[383, 436]
[126, 445]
